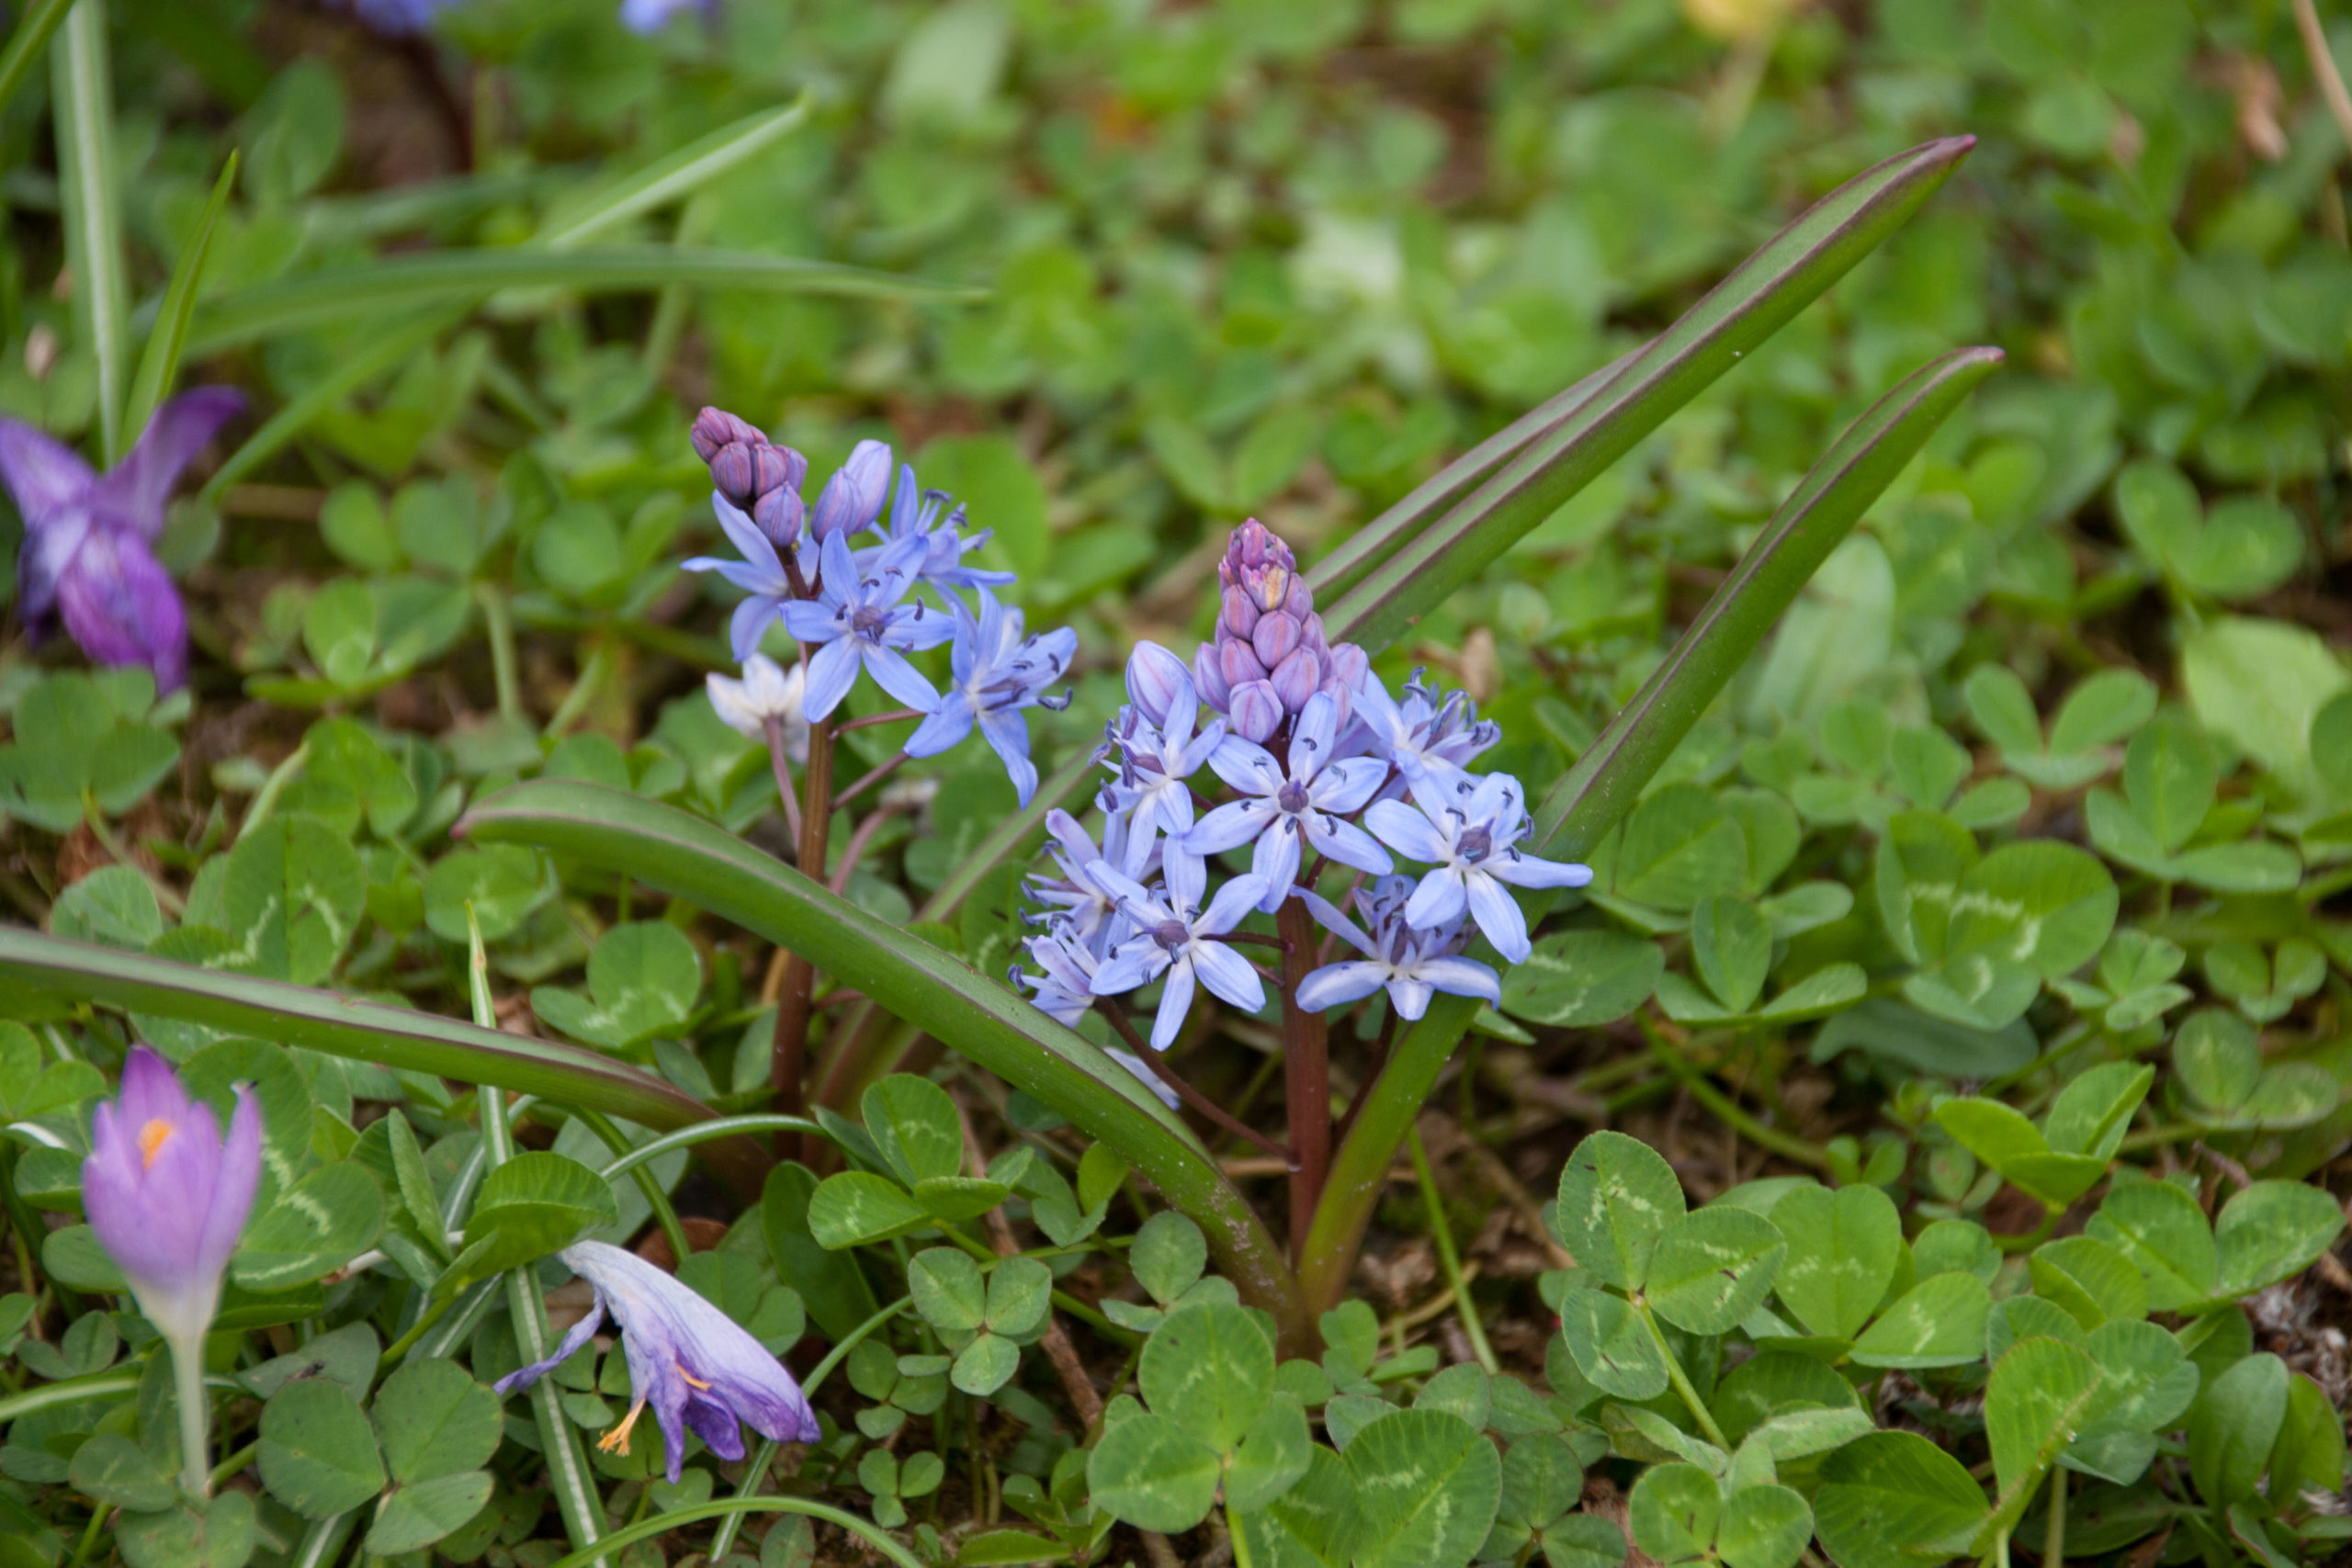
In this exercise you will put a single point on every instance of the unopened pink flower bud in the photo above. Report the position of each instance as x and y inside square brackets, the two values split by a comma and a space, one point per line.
[1155, 678]
[1297, 678]
[1208, 677]
[714, 428]
[1256, 711]
[1238, 616]
[1276, 637]
[1240, 663]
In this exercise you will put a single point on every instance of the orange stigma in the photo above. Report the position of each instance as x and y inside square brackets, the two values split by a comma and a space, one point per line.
[152, 1139]
[617, 1440]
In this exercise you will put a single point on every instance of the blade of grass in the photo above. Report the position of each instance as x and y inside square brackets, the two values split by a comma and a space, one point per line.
[1607, 779]
[672, 178]
[161, 361]
[425, 278]
[27, 42]
[87, 188]
[34, 967]
[1758, 297]
[682, 855]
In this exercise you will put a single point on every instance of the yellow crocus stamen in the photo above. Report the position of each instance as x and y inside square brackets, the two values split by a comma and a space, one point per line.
[152, 1139]
[691, 1379]
[617, 1440]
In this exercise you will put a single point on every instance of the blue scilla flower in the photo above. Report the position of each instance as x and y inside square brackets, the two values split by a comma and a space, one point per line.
[862, 618]
[998, 671]
[689, 1360]
[1414, 965]
[1285, 805]
[1466, 829]
[916, 513]
[760, 575]
[1175, 937]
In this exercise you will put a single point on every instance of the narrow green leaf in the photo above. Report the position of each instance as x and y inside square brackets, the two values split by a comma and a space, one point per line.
[666, 848]
[168, 337]
[672, 178]
[92, 199]
[27, 42]
[1738, 314]
[1607, 779]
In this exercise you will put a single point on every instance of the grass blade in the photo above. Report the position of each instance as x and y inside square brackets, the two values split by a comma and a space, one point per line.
[1738, 314]
[27, 41]
[672, 178]
[92, 209]
[166, 339]
[34, 967]
[1607, 779]
[429, 277]
[681, 854]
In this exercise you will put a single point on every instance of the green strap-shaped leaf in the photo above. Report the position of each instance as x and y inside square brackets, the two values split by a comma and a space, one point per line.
[1737, 315]
[666, 848]
[34, 967]
[168, 337]
[27, 42]
[1607, 779]
[91, 196]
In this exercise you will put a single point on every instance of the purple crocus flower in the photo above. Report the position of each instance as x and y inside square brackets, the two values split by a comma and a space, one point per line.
[998, 671]
[168, 1197]
[1465, 829]
[87, 557]
[1414, 965]
[692, 1362]
[859, 619]
[1175, 937]
[1282, 807]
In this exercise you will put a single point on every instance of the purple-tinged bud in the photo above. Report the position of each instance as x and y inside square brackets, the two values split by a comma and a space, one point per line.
[852, 499]
[795, 466]
[1349, 666]
[734, 473]
[779, 513]
[1256, 711]
[1155, 677]
[1298, 598]
[1208, 677]
[1239, 617]
[1276, 638]
[1297, 678]
[769, 469]
[1240, 663]
[714, 428]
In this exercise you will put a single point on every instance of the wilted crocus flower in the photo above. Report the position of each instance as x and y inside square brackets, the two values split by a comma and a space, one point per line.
[1414, 965]
[87, 557]
[998, 671]
[1466, 831]
[692, 1362]
[1174, 936]
[766, 692]
[168, 1197]
[1271, 654]
[860, 619]
[1282, 807]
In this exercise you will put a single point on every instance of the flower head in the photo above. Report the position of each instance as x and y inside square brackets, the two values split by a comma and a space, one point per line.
[1424, 734]
[915, 515]
[689, 1360]
[166, 1195]
[1413, 964]
[1271, 654]
[1154, 760]
[1175, 937]
[998, 671]
[1285, 805]
[860, 619]
[1065, 989]
[87, 557]
[1081, 904]
[1465, 829]
[766, 692]
[760, 575]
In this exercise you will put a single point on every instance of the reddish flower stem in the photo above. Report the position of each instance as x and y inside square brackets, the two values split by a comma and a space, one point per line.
[1307, 1074]
[793, 1008]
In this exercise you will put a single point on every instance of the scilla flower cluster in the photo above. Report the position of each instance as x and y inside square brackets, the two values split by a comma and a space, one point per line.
[871, 572]
[1275, 740]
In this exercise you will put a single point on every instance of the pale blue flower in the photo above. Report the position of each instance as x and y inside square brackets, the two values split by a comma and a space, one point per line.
[1413, 965]
[1175, 937]
[1088, 906]
[1154, 758]
[860, 619]
[915, 515]
[1285, 805]
[760, 575]
[692, 1362]
[1466, 829]
[852, 499]
[1423, 734]
[998, 671]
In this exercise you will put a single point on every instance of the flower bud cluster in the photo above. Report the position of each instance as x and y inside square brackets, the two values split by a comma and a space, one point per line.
[1270, 654]
[753, 475]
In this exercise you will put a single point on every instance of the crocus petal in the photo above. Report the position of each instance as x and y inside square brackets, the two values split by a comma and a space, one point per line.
[119, 604]
[1337, 985]
[579, 1334]
[132, 493]
[42, 473]
[151, 1090]
[1410, 832]
[1227, 975]
[234, 1182]
[1499, 917]
[832, 670]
